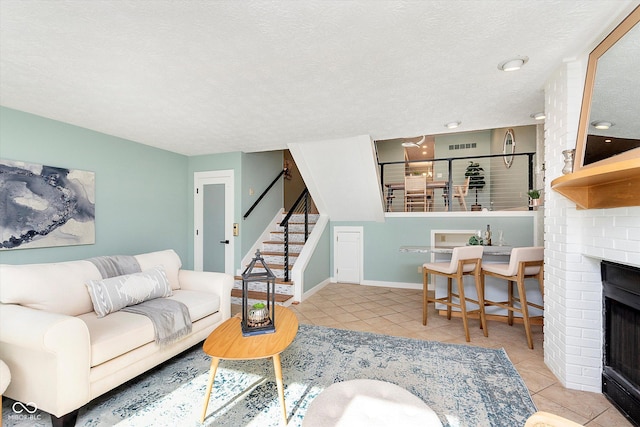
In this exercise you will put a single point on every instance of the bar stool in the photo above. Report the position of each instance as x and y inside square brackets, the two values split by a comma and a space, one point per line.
[524, 263]
[465, 261]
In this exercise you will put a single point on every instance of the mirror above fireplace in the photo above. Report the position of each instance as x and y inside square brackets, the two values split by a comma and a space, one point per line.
[610, 118]
[606, 170]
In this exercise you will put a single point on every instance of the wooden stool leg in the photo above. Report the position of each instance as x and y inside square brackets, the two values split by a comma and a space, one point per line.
[425, 279]
[207, 395]
[463, 307]
[525, 311]
[541, 283]
[449, 297]
[479, 279]
[278, 370]
[510, 303]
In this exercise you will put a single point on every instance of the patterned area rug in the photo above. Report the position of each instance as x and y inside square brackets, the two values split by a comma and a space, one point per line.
[464, 385]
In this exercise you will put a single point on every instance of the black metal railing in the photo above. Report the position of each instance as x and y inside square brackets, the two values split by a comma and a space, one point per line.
[301, 205]
[264, 193]
[505, 187]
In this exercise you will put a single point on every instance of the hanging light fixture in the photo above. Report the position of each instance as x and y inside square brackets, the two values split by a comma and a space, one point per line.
[409, 144]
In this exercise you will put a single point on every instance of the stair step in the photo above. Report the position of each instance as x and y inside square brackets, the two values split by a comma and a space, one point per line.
[262, 296]
[277, 257]
[276, 269]
[299, 223]
[278, 246]
[278, 236]
[279, 266]
[290, 232]
[294, 226]
[277, 253]
[279, 242]
[279, 281]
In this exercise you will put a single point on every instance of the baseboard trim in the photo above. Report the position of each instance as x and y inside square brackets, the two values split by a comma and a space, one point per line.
[315, 289]
[397, 285]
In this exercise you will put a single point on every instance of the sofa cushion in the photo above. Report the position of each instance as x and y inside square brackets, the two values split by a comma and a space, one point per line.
[116, 334]
[114, 293]
[120, 332]
[57, 287]
[168, 259]
[200, 304]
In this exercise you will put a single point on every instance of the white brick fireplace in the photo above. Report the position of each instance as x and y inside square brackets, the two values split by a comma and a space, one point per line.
[575, 243]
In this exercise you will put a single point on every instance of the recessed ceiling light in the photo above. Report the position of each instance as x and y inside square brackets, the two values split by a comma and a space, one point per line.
[538, 116]
[513, 64]
[608, 141]
[601, 125]
[452, 125]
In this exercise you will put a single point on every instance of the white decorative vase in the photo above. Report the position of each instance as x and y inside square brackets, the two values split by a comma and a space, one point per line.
[258, 316]
[535, 203]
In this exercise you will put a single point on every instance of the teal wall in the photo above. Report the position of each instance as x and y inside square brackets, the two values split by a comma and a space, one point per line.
[141, 204]
[253, 170]
[144, 195]
[258, 171]
[213, 162]
[319, 268]
[382, 240]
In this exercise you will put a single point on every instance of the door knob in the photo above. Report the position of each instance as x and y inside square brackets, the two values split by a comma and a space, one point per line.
[226, 242]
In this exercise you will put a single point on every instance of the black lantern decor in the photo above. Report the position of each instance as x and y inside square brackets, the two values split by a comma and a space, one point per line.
[260, 318]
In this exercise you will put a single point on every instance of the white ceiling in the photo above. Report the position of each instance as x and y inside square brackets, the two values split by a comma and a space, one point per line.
[204, 77]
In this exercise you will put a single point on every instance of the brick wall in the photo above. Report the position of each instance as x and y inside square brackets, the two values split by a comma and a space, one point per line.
[575, 243]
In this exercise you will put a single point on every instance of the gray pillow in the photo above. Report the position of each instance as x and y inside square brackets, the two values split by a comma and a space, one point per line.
[112, 294]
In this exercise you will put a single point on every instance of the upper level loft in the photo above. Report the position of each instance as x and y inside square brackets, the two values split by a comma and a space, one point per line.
[469, 171]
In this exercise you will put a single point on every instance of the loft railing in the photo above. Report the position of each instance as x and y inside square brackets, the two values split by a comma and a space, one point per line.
[301, 205]
[505, 188]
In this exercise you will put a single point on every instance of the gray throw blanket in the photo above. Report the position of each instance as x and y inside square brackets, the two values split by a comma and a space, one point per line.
[117, 265]
[170, 318]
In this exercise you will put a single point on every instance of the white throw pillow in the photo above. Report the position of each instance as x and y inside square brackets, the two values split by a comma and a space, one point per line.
[114, 293]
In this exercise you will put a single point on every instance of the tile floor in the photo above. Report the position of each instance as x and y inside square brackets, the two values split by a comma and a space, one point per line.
[399, 312]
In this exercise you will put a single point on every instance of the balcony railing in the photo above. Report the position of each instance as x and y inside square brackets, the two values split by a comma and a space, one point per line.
[504, 188]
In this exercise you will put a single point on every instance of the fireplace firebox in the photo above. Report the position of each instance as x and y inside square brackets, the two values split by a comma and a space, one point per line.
[621, 370]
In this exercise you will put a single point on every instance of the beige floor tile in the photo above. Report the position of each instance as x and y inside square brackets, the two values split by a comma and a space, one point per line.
[398, 312]
[585, 403]
[365, 314]
[553, 407]
[609, 418]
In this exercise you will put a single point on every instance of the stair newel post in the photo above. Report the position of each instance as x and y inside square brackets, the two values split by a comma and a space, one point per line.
[306, 216]
[286, 252]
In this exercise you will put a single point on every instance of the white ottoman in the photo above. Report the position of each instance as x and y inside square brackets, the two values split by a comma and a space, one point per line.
[368, 403]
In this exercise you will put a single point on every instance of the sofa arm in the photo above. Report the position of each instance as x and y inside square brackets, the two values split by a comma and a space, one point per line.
[49, 355]
[207, 281]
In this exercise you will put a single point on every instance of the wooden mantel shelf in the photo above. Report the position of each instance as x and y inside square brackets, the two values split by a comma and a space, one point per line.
[608, 186]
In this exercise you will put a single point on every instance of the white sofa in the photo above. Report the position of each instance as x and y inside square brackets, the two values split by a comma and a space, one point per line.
[61, 355]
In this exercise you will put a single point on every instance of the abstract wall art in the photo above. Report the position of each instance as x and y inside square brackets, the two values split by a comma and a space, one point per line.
[44, 206]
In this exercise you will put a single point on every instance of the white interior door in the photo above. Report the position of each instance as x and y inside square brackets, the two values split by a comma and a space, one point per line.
[213, 221]
[348, 256]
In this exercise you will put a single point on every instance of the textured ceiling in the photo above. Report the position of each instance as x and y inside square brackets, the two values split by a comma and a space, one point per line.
[203, 77]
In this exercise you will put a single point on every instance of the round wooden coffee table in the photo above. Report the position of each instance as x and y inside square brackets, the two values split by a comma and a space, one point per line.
[227, 342]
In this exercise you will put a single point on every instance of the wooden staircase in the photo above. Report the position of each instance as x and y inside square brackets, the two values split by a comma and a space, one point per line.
[273, 253]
